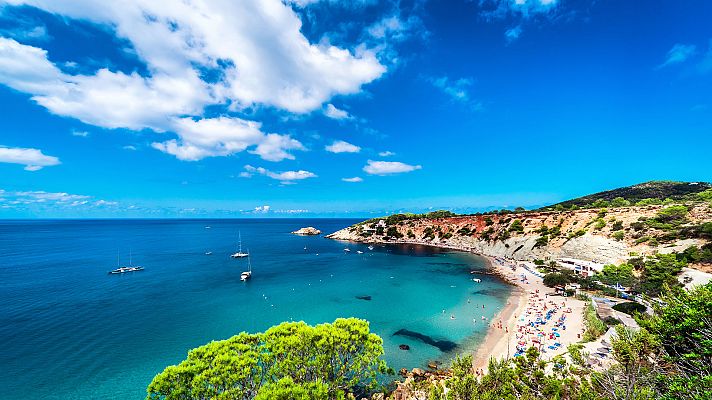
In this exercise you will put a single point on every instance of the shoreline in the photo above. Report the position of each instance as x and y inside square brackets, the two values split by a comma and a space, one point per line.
[529, 300]
[494, 344]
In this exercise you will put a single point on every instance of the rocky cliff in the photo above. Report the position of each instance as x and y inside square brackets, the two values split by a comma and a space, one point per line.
[603, 235]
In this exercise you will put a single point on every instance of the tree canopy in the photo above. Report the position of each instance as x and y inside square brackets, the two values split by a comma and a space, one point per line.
[292, 360]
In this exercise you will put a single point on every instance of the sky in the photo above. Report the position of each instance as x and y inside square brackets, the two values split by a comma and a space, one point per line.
[324, 108]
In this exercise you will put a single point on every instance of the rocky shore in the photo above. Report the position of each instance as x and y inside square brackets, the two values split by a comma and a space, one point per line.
[309, 230]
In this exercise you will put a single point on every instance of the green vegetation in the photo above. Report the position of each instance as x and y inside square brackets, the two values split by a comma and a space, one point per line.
[516, 226]
[618, 274]
[576, 234]
[630, 308]
[392, 231]
[600, 223]
[594, 326]
[289, 361]
[683, 325]
[694, 254]
[644, 194]
[618, 235]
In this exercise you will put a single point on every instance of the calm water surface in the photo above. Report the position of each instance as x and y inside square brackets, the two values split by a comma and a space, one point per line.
[71, 331]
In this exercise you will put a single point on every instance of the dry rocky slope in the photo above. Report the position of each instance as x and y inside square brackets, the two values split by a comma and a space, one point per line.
[604, 235]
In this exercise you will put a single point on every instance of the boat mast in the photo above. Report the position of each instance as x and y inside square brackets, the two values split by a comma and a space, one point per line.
[239, 234]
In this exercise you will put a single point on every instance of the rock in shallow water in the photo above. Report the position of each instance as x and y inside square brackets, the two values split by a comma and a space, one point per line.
[367, 298]
[404, 347]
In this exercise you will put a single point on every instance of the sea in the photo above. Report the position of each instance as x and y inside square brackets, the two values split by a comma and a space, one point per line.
[70, 330]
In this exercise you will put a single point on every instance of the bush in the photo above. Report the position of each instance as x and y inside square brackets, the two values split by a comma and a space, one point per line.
[600, 223]
[618, 235]
[576, 234]
[557, 279]
[630, 308]
[516, 226]
[594, 326]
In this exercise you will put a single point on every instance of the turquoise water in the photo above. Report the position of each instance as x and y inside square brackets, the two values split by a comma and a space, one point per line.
[71, 331]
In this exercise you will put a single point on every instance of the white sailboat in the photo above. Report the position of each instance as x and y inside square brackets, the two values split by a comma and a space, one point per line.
[122, 270]
[239, 253]
[247, 274]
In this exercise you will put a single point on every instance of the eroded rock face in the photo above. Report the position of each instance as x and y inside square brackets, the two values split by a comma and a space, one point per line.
[532, 235]
[310, 230]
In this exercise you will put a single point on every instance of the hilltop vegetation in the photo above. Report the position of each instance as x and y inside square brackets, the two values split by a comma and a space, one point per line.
[648, 193]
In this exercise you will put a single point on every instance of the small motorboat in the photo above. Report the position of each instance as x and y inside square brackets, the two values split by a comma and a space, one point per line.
[208, 253]
[370, 247]
[347, 250]
[359, 252]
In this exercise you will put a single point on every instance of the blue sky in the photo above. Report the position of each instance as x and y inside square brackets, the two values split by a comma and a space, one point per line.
[270, 108]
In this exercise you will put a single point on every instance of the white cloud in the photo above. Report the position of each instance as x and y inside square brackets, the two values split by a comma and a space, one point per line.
[458, 89]
[224, 136]
[353, 180]
[80, 133]
[335, 113]
[284, 177]
[679, 53]
[388, 167]
[255, 46]
[386, 154]
[340, 146]
[32, 159]
[40, 200]
[513, 33]
[129, 147]
[262, 209]
[522, 8]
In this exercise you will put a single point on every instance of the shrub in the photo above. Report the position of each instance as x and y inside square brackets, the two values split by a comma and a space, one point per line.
[630, 308]
[618, 235]
[516, 226]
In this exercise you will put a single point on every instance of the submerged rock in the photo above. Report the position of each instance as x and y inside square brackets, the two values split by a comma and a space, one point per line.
[404, 347]
[442, 345]
[367, 298]
[309, 230]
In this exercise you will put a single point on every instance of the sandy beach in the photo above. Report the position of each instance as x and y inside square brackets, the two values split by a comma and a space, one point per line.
[533, 316]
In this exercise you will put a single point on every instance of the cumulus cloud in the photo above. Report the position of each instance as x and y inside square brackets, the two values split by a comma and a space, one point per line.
[386, 154]
[224, 136]
[679, 53]
[353, 180]
[284, 177]
[335, 113]
[32, 159]
[178, 42]
[340, 146]
[262, 209]
[388, 167]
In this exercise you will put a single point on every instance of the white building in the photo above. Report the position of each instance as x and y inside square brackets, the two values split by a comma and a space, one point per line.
[581, 267]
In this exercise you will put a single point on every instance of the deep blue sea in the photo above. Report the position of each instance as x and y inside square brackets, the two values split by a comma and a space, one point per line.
[71, 331]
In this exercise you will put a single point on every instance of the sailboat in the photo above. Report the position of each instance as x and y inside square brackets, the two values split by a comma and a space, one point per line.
[239, 253]
[122, 270]
[247, 274]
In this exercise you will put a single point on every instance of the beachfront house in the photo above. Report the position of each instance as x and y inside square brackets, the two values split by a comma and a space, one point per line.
[580, 267]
